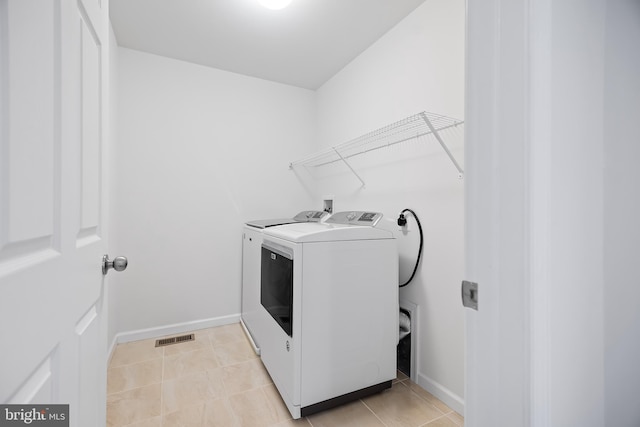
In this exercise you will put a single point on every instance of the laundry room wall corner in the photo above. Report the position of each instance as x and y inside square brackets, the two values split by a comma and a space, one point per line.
[418, 65]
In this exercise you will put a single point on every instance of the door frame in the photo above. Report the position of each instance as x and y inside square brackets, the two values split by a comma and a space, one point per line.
[535, 84]
[502, 200]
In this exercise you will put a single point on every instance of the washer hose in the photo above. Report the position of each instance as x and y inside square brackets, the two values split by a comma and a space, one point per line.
[402, 221]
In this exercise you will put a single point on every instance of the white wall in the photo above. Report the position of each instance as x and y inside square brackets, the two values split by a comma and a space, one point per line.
[621, 214]
[418, 65]
[199, 152]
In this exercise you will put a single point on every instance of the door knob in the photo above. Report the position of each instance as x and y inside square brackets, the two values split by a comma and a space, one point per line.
[119, 263]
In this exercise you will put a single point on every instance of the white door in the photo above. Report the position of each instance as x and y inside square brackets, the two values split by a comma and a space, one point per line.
[498, 222]
[53, 68]
[551, 121]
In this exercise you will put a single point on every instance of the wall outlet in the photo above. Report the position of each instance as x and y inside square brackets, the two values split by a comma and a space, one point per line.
[327, 204]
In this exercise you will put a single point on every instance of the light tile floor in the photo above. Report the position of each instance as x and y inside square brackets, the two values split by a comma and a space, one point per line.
[217, 380]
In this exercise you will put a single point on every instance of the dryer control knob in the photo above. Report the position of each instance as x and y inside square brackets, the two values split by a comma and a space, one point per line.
[351, 216]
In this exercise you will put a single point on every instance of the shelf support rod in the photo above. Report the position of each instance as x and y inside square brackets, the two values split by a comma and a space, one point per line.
[444, 147]
[348, 165]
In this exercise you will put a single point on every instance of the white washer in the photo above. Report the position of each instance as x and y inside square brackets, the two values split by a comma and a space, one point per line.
[330, 291]
[252, 314]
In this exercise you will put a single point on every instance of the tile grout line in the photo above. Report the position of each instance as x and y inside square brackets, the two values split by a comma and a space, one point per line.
[136, 387]
[133, 388]
[455, 421]
[373, 412]
[436, 419]
[162, 389]
[444, 414]
[224, 386]
[428, 402]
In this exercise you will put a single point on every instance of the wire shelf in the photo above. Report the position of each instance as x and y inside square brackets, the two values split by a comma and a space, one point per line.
[416, 126]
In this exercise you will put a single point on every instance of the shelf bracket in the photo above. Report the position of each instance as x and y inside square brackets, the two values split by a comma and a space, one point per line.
[348, 165]
[444, 147]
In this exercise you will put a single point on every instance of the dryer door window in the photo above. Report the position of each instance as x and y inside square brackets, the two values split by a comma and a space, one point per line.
[276, 286]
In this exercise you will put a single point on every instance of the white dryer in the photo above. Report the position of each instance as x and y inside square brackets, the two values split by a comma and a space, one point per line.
[252, 314]
[331, 294]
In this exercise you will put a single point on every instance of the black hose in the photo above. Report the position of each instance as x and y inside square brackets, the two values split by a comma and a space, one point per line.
[402, 221]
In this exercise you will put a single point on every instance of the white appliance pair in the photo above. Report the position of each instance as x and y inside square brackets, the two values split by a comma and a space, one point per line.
[328, 310]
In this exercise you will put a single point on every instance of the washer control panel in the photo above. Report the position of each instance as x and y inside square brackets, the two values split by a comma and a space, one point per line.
[355, 218]
[310, 216]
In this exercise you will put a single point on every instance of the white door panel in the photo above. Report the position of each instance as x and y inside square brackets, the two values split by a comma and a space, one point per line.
[91, 125]
[29, 138]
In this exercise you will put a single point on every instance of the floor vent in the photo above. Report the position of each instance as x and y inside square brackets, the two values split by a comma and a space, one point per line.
[175, 340]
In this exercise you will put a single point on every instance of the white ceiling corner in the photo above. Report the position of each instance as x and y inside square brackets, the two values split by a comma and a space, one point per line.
[302, 45]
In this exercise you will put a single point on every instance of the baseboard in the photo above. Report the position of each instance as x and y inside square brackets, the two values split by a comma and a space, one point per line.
[449, 398]
[176, 328]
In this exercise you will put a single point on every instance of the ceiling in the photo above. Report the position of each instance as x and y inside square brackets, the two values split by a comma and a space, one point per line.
[302, 45]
